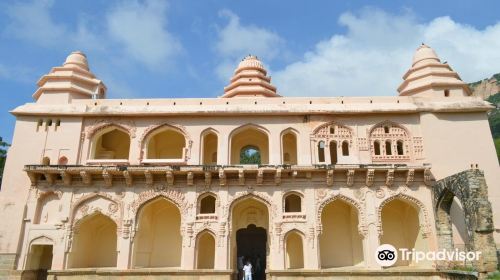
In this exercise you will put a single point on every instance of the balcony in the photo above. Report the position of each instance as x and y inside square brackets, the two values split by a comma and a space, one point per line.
[188, 175]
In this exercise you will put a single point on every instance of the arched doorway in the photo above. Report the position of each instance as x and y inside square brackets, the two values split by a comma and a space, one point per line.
[94, 243]
[205, 256]
[250, 224]
[251, 246]
[39, 259]
[294, 251]
[340, 241]
[158, 241]
[401, 228]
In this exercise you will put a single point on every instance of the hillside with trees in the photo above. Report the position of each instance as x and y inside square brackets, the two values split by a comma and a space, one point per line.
[489, 89]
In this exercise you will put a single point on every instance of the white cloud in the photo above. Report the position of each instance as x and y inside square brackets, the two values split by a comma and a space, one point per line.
[235, 41]
[376, 50]
[135, 29]
[141, 29]
[32, 21]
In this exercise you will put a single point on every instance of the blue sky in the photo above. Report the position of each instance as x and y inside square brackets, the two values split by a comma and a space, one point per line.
[161, 49]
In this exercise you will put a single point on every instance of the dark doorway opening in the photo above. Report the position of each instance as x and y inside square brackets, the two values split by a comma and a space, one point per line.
[39, 261]
[251, 246]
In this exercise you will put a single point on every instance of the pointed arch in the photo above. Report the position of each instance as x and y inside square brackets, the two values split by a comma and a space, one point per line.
[249, 135]
[176, 151]
[390, 141]
[289, 139]
[173, 196]
[339, 129]
[415, 203]
[350, 201]
[110, 141]
[381, 126]
[158, 238]
[205, 249]
[342, 228]
[292, 201]
[294, 249]
[90, 204]
[209, 147]
[94, 242]
[207, 207]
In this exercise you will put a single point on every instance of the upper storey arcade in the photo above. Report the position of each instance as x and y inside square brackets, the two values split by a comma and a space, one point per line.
[243, 121]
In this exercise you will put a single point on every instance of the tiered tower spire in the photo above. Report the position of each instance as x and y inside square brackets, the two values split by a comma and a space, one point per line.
[428, 76]
[249, 80]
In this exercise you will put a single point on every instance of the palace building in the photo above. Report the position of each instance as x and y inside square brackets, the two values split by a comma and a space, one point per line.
[308, 187]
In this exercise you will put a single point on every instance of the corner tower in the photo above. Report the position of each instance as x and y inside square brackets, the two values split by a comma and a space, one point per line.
[249, 80]
[71, 81]
[429, 77]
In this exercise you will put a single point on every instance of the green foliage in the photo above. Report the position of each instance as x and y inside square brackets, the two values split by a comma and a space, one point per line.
[494, 275]
[3, 156]
[250, 155]
[494, 119]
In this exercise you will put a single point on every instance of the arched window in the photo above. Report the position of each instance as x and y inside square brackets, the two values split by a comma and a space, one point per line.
[209, 154]
[166, 144]
[400, 147]
[289, 148]
[333, 152]
[345, 148]
[332, 130]
[386, 129]
[388, 147]
[250, 155]
[376, 146]
[112, 144]
[207, 205]
[249, 145]
[446, 93]
[321, 151]
[293, 203]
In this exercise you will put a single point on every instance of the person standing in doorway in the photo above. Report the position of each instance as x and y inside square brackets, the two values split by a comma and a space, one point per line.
[241, 260]
[247, 271]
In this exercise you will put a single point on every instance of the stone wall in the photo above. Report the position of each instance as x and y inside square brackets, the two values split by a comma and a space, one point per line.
[470, 188]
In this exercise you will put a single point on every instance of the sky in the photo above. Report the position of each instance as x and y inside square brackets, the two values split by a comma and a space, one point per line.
[179, 48]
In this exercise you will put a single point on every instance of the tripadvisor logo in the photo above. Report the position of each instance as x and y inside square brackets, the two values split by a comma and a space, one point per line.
[388, 255]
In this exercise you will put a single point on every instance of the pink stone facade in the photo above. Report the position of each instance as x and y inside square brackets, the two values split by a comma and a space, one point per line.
[117, 179]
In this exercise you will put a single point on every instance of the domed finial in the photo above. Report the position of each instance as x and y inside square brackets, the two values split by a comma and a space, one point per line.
[424, 53]
[77, 58]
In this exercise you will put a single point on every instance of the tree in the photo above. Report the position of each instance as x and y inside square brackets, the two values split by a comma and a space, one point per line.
[250, 155]
[3, 156]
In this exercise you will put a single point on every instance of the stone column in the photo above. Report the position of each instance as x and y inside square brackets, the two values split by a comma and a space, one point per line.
[221, 248]
[188, 247]
[311, 249]
[58, 254]
[223, 149]
[123, 250]
[274, 147]
[277, 247]
[371, 239]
